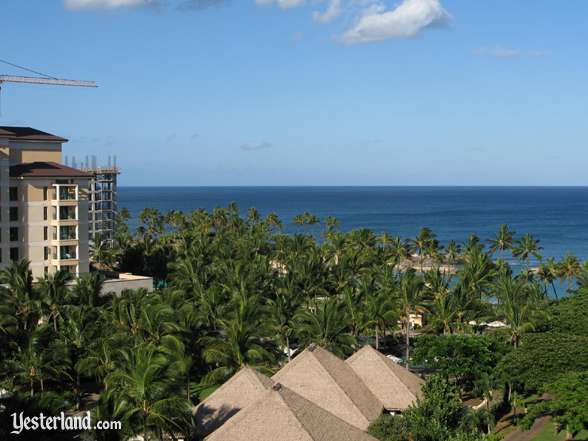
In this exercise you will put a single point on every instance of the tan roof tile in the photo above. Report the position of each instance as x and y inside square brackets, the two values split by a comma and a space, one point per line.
[240, 391]
[283, 415]
[394, 385]
[329, 382]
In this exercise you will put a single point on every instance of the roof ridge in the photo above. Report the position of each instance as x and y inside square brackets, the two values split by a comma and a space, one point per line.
[289, 366]
[279, 389]
[352, 373]
[282, 390]
[398, 370]
[237, 417]
[28, 133]
[395, 386]
[243, 371]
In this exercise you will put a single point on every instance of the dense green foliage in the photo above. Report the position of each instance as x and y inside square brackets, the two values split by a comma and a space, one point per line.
[543, 357]
[568, 403]
[237, 291]
[439, 416]
[570, 315]
[464, 360]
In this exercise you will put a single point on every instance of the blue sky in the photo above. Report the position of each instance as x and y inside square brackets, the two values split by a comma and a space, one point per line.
[293, 92]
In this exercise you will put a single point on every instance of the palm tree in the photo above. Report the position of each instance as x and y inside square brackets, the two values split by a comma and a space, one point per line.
[452, 253]
[548, 272]
[54, 291]
[34, 363]
[410, 295]
[306, 218]
[326, 325]
[144, 318]
[379, 312]
[101, 252]
[88, 289]
[517, 306]
[569, 268]
[282, 309]
[241, 340]
[146, 392]
[423, 243]
[477, 273]
[79, 329]
[443, 308]
[582, 278]
[442, 313]
[25, 300]
[8, 320]
[526, 248]
[99, 361]
[503, 241]
[352, 298]
[399, 249]
[273, 221]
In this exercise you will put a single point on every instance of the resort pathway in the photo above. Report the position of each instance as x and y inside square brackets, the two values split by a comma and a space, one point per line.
[538, 426]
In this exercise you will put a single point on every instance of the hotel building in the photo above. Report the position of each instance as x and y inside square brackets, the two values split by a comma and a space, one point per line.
[103, 204]
[44, 208]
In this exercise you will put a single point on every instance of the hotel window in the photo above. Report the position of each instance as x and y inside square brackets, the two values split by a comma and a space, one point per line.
[44, 213]
[45, 233]
[46, 253]
[45, 191]
[14, 253]
[46, 270]
[69, 269]
[13, 234]
[13, 214]
[13, 192]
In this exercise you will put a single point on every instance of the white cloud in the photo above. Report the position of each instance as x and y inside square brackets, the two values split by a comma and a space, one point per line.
[106, 4]
[284, 4]
[405, 20]
[498, 52]
[333, 11]
[263, 145]
[506, 52]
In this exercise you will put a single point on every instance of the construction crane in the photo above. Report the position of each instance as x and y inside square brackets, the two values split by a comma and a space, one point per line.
[40, 79]
[45, 80]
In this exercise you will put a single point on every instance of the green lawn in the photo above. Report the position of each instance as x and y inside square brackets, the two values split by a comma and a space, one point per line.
[548, 434]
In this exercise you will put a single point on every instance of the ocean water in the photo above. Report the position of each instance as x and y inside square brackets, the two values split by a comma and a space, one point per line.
[557, 216]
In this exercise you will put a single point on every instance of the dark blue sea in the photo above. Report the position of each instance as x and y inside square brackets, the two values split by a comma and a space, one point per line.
[557, 216]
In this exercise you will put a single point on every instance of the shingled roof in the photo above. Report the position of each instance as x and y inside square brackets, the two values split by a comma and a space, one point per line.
[395, 386]
[283, 415]
[46, 170]
[330, 383]
[28, 134]
[241, 390]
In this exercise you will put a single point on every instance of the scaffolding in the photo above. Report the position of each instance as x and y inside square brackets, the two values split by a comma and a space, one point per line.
[103, 203]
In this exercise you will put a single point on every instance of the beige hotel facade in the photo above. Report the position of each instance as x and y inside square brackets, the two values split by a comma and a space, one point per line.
[43, 204]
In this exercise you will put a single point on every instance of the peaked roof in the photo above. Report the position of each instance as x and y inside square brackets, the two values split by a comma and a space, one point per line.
[395, 386]
[283, 415]
[241, 390]
[28, 134]
[330, 383]
[46, 170]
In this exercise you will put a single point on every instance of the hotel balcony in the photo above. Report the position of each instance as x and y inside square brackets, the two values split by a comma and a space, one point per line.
[65, 233]
[64, 254]
[65, 192]
[65, 214]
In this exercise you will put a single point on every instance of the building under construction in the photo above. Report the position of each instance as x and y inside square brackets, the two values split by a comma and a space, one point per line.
[102, 198]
